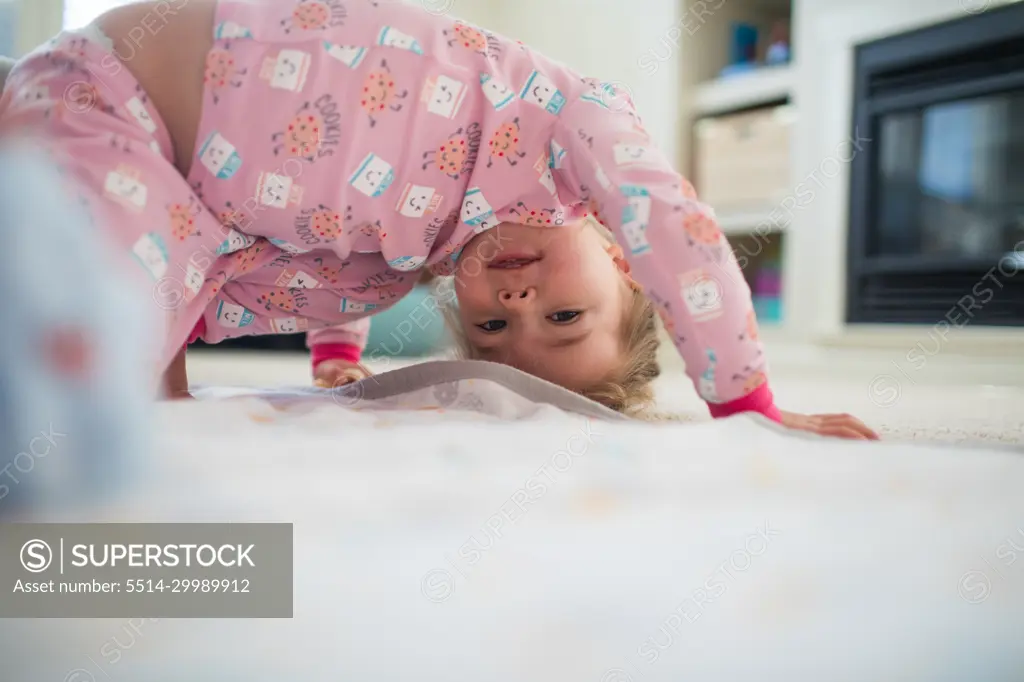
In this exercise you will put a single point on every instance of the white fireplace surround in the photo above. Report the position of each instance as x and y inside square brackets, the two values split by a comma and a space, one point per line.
[825, 33]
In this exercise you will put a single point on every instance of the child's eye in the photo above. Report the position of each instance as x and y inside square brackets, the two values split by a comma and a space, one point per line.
[564, 316]
[492, 326]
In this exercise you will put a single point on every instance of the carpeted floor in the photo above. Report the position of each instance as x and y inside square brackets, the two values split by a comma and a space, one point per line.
[948, 402]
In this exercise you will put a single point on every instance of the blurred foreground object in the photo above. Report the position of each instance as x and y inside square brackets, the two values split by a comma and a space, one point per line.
[73, 397]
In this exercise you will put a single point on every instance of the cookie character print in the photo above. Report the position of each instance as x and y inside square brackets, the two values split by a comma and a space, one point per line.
[457, 155]
[380, 93]
[312, 133]
[221, 72]
[504, 144]
[314, 16]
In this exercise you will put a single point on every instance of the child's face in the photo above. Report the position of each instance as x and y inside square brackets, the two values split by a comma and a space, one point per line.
[548, 301]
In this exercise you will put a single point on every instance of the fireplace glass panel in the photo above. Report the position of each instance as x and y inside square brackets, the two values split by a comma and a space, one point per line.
[951, 179]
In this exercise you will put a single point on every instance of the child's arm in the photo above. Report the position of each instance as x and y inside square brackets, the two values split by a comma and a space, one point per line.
[176, 378]
[675, 249]
[335, 351]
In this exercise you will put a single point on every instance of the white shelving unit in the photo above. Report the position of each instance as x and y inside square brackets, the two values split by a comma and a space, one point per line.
[761, 221]
[755, 227]
[763, 86]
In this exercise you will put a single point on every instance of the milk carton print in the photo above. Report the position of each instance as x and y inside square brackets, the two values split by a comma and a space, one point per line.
[34, 93]
[476, 212]
[348, 306]
[229, 29]
[391, 37]
[373, 176]
[151, 253]
[349, 55]
[416, 201]
[220, 156]
[278, 191]
[124, 186]
[541, 91]
[497, 93]
[556, 153]
[702, 294]
[287, 71]
[600, 94]
[138, 110]
[235, 241]
[635, 216]
[706, 386]
[193, 282]
[288, 246]
[443, 96]
[289, 325]
[632, 155]
[297, 279]
[407, 263]
[234, 316]
[602, 177]
[547, 178]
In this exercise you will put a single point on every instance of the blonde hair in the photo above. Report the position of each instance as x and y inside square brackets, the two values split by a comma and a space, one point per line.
[629, 389]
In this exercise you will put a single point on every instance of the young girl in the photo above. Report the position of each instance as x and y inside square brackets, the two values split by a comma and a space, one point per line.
[290, 165]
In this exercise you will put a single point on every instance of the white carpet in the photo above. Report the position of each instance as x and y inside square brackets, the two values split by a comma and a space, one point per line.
[436, 546]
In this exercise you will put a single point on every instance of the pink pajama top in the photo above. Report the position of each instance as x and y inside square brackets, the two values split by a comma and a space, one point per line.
[430, 130]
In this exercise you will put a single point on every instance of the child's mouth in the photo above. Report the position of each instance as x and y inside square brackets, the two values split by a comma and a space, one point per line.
[512, 262]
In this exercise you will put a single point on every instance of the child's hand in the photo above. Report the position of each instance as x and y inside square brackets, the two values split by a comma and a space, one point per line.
[836, 425]
[334, 373]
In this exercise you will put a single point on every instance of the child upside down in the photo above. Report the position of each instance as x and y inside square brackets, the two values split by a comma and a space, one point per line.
[278, 167]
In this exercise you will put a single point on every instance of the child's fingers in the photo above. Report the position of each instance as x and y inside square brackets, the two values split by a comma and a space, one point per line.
[846, 432]
[331, 374]
[180, 395]
[850, 422]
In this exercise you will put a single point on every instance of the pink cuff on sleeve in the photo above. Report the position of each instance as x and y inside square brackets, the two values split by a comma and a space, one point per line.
[197, 331]
[760, 400]
[335, 351]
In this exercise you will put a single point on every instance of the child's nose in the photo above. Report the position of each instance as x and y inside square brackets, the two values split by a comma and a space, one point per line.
[517, 298]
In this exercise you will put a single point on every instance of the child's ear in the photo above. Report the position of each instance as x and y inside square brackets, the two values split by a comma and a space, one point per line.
[619, 258]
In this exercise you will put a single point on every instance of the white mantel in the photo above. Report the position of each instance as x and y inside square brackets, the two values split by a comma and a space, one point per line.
[825, 33]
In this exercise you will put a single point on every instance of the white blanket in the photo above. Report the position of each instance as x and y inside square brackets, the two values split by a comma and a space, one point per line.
[450, 544]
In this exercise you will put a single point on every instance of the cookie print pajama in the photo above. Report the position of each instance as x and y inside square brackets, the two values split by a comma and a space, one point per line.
[346, 144]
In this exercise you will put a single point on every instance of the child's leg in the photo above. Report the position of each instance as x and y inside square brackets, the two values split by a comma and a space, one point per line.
[115, 154]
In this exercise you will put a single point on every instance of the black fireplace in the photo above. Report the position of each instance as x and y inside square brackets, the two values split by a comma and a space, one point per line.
[937, 196]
